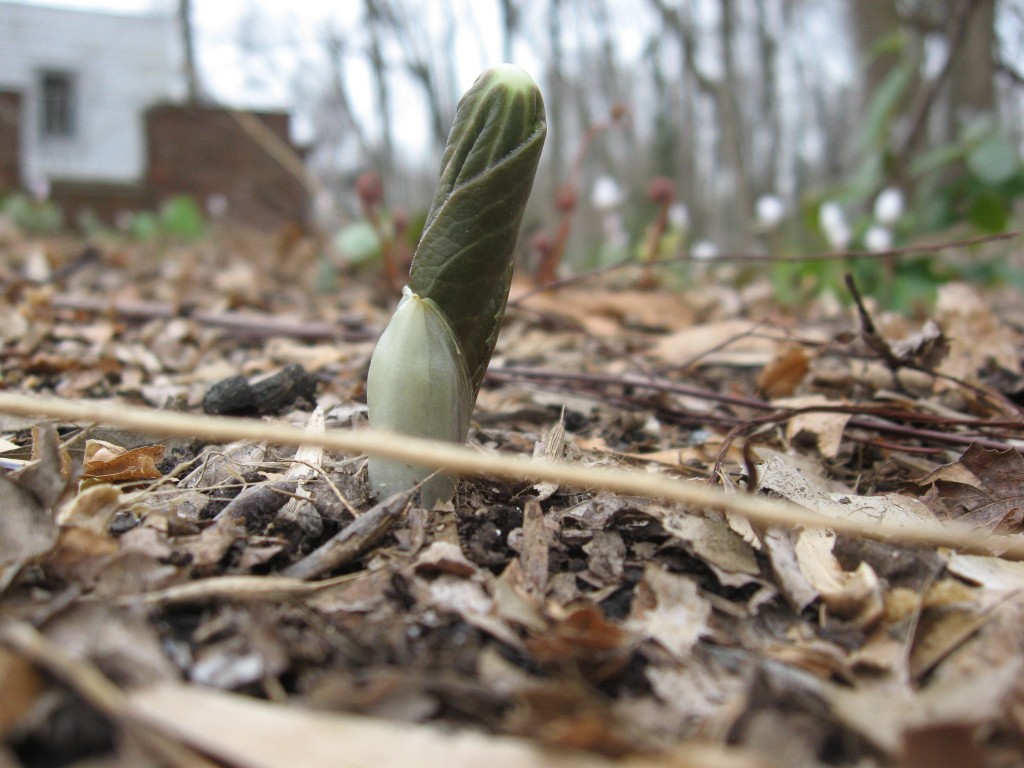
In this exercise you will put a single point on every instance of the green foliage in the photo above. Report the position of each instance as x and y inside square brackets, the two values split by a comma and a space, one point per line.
[143, 226]
[975, 180]
[358, 243]
[34, 217]
[180, 217]
[884, 107]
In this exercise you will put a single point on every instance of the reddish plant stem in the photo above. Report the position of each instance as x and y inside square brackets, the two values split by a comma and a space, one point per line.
[567, 198]
[870, 418]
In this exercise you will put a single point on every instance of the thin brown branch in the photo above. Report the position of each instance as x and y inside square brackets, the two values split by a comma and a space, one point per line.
[872, 418]
[910, 250]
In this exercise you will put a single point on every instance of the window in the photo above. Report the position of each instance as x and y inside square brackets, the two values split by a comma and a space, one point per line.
[58, 105]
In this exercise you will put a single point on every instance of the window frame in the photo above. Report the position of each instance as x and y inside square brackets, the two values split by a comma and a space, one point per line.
[58, 104]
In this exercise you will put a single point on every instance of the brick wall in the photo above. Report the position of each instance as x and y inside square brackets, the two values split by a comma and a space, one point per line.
[204, 151]
[10, 141]
[105, 200]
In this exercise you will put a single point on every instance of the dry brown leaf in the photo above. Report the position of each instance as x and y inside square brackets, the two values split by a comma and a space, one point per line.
[91, 508]
[533, 551]
[584, 633]
[989, 572]
[605, 312]
[114, 464]
[255, 734]
[784, 373]
[27, 530]
[789, 577]
[21, 686]
[780, 477]
[27, 497]
[888, 712]
[985, 487]
[729, 342]
[712, 540]
[669, 609]
[942, 631]
[822, 431]
[684, 458]
[976, 335]
[855, 596]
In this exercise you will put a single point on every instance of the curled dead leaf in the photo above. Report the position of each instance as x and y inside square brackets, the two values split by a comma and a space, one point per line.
[114, 464]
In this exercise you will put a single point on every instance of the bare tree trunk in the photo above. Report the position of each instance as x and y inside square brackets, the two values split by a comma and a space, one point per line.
[972, 89]
[423, 62]
[873, 21]
[509, 27]
[381, 90]
[728, 120]
[666, 133]
[556, 87]
[338, 100]
[957, 33]
[187, 31]
[767, 48]
[731, 115]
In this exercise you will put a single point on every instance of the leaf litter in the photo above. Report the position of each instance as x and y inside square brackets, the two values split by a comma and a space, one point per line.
[813, 558]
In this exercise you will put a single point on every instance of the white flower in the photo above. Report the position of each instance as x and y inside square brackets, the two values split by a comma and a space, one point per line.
[889, 206]
[831, 216]
[124, 219]
[839, 237]
[40, 189]
[606, 193]
[878, 238]
[704, 249]
[770, 210]
[323, 204]
[216, 205]
[679, 216]
[833, 224]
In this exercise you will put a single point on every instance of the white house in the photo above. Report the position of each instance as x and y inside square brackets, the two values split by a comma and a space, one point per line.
[85, 79]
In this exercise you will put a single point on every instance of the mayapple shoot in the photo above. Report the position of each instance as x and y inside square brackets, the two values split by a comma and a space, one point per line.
[427, 368]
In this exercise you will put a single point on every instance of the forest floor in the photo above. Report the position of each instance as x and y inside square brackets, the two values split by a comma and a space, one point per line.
[750, 535]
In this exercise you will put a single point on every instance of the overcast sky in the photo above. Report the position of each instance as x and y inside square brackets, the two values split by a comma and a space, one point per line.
[266, 80]
[265, 84]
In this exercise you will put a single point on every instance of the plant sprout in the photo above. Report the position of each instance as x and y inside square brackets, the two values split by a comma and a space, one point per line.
[428, 365]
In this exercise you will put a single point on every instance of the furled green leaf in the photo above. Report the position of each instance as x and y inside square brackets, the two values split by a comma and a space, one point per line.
[463, 262]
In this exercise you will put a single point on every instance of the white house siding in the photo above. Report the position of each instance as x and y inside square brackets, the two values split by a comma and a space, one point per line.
[121, 64]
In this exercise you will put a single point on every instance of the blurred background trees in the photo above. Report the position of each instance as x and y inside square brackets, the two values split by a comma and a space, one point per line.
[758, 111]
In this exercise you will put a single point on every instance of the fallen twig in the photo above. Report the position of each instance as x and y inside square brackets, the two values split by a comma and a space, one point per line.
[352, 540]
[875, 418]
[465, 461]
